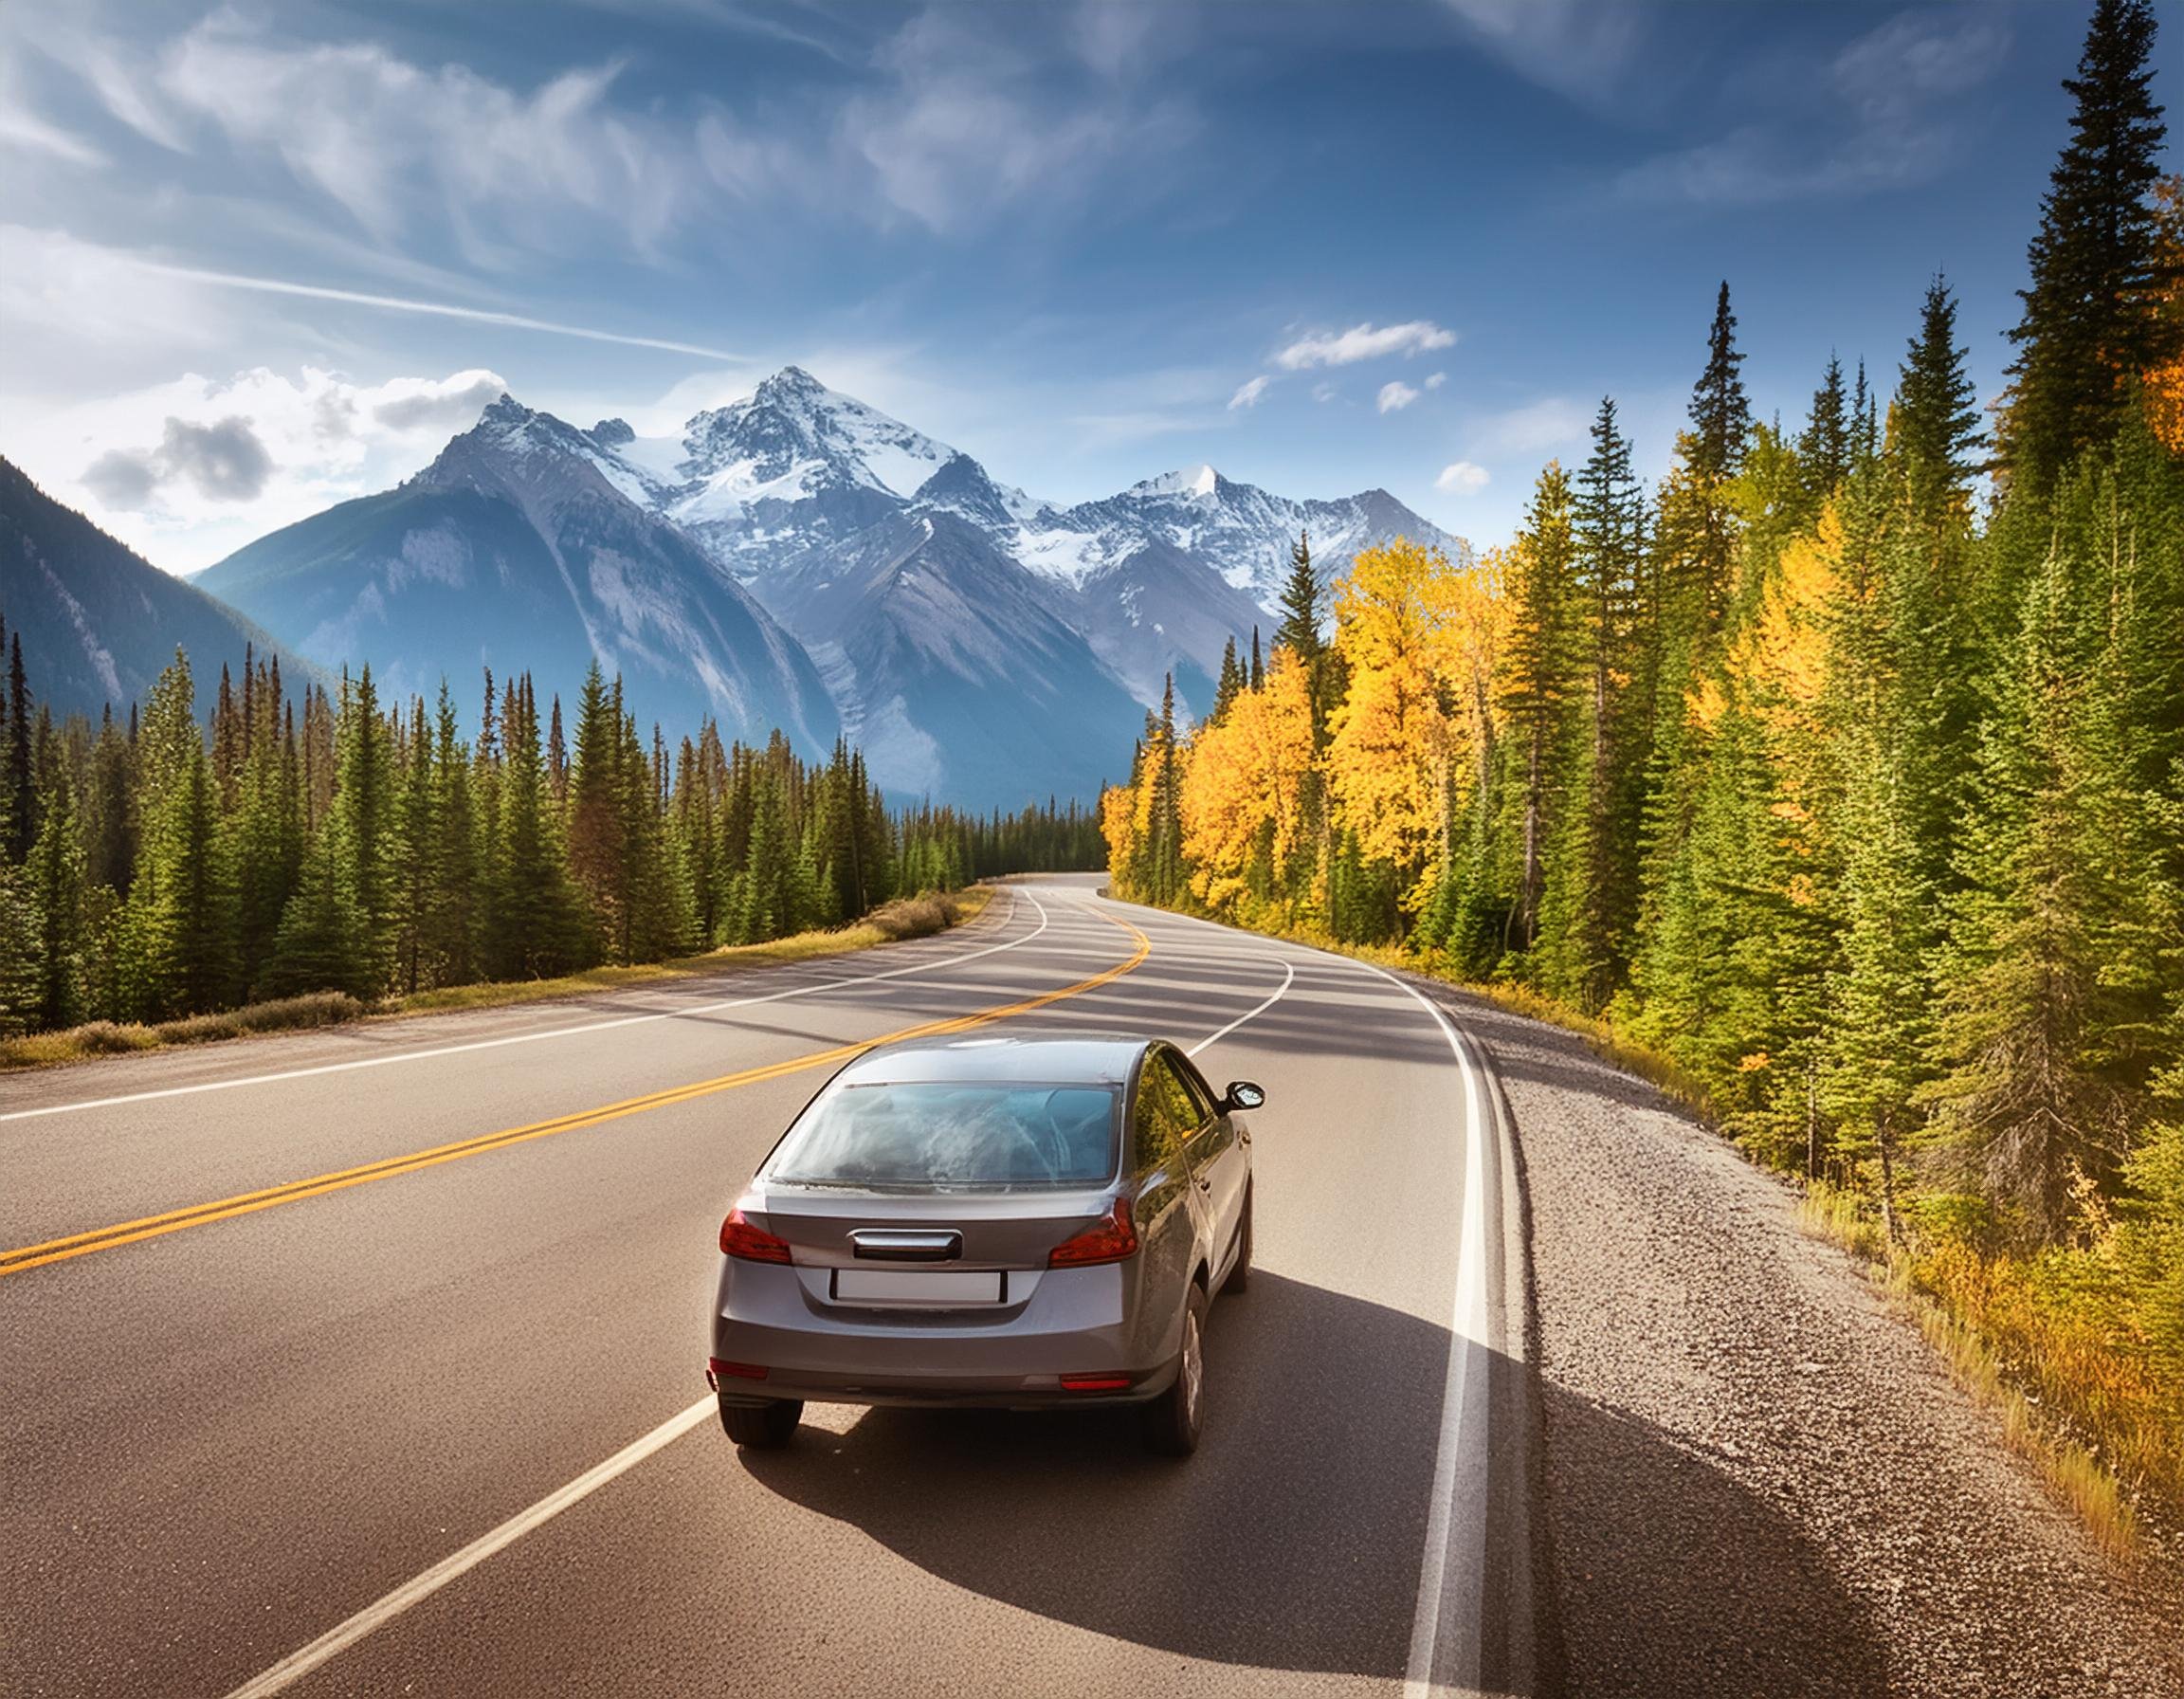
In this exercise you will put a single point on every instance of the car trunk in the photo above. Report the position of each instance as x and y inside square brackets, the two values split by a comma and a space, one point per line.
[832, 1228]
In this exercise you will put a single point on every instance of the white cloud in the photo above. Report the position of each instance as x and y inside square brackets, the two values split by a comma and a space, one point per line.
[222, 462]
[1248, 393]
[1394, 397]
[1324, 392]
[1435, 382]
[187, 470]
[1463, 478]
[1362, 342]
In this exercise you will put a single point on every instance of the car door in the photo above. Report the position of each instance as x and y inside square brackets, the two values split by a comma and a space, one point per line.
[1171, 1213]
[1218, 1157]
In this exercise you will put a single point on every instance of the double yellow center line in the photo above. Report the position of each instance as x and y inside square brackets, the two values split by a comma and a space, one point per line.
[244, 1203]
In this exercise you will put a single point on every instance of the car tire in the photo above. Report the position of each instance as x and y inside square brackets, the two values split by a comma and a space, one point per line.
[762, 1427]
[1174, 1420]
[1240, 1275]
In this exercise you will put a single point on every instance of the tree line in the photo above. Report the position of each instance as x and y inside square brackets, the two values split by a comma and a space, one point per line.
[1844, 768]
[310, 840]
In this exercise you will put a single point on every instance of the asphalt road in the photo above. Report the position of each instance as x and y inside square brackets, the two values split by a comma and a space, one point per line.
[311, 1351]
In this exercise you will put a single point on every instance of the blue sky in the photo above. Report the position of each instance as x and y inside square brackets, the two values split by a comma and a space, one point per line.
[1084, 242]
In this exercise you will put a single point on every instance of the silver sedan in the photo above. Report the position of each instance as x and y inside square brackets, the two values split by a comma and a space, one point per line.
[1024, 1222]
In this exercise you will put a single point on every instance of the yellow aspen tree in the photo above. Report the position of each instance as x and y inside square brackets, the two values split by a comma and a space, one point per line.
[1393, 737]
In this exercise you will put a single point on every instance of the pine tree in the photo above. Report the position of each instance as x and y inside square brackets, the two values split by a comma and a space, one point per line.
[53, 880]
[1303, 600]
[450, 921]
[21, 778]
[2090, 324]
[598, 858]
[1536, 681]
[366, 802]
[1721, 414]
[1258, 666]
[323, 943]
[1230, 684]
[1936, 410]
[1824, 447]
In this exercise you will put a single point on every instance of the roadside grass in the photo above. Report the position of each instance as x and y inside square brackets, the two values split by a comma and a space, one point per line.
[2085, 1417]
[2072, 1469]
[904, 918]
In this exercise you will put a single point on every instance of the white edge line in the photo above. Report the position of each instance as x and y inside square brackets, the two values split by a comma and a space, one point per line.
[1467, 1329]
[337, 1640]
[487, 1044]
[1289, 979]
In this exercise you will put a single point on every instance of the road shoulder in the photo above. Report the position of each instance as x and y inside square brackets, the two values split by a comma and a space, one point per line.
[1758, 1479]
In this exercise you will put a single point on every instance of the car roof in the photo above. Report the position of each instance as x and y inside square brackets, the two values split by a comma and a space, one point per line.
[1095, 1058]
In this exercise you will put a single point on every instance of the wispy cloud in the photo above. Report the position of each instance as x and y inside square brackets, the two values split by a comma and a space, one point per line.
[1248, 393]
[1362, 342]
[1463, 478]
[396, 303]
[1552, 422]
[1583, 48]
[1880, 119]
[1436, 380]
[1394, 397]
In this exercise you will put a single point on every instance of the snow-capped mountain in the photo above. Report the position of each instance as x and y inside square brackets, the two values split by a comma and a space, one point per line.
[1158, 577]
[529, 544]
[1238, 530]
[800, 559]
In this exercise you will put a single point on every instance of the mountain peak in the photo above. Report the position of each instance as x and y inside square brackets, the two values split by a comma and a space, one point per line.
[1200, 479]
[505, 411]
[789, 383]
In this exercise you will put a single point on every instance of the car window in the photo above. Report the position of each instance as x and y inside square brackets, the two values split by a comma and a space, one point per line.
[1167, 1115]
[953, 1136]
[1207, 1105]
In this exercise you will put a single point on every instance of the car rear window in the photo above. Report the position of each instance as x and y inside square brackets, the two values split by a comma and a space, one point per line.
[1001, 1137]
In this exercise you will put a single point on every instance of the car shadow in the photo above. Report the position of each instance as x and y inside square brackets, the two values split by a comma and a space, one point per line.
[1292, 1540]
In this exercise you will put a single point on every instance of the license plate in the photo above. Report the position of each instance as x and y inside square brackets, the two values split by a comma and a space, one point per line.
[939, 1288]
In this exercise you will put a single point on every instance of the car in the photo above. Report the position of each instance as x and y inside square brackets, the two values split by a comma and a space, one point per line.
[1027, 1222]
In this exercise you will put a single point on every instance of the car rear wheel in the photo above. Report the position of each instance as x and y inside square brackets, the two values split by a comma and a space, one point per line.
[763, 1426]
[1173, 1419]
[1240, 1275]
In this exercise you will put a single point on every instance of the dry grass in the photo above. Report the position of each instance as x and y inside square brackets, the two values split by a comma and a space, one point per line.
[906, 917]
[2078, 1475]
[114, 1038]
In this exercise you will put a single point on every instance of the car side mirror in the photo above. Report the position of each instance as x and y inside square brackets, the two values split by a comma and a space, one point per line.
[1242, 1094]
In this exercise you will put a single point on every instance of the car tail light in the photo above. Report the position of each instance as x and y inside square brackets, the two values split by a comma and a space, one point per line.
[720, 1368]
[1111, 1241]
[1095, 1382]
[752, 1243]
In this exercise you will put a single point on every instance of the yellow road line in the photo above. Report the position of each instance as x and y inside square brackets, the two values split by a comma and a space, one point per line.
[244, 1203]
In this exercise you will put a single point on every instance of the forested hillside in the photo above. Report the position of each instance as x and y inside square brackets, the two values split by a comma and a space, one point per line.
[304, 842]
[1844, 772]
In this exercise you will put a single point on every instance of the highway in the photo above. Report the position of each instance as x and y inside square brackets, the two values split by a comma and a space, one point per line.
[370, 1361]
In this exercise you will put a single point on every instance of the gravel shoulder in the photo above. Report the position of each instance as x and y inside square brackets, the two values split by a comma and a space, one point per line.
[1757, 1480]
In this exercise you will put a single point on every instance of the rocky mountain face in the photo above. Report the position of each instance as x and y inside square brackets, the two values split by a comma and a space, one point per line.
[799, 558]
[99, 622]
[1156, 578]
[526, 545]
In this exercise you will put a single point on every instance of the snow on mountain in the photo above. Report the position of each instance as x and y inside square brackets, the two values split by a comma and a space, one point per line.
[799, 558]
[530, 544]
